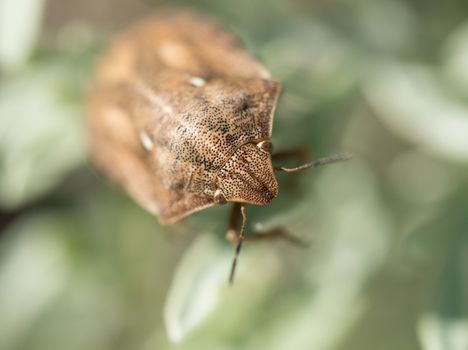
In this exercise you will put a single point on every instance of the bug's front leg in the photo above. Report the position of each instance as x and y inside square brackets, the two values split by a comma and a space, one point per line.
[278, 232]
[301, 153]
[238, 211]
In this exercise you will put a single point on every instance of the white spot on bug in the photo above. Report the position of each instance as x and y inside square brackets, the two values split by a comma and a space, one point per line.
[146, 141]
[197, 81]
[153, 98]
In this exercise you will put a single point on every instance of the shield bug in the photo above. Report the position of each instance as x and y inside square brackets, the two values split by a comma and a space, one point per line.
[180, 116]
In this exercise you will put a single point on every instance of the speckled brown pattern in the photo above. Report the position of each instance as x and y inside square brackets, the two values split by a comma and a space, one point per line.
[241, 180]
[175, 113]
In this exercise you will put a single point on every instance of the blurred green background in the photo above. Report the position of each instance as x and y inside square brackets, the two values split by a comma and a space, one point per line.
[83, 267]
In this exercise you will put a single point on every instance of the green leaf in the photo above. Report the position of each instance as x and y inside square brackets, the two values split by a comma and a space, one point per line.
[41, 132]
[19, 28]
[444, 326]
[410, 102]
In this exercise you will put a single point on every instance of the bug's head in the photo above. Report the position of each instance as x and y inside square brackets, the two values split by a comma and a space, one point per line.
[248, 176]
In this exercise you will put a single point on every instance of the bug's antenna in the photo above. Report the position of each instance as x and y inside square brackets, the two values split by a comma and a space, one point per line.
[240, 239]
[340, 157]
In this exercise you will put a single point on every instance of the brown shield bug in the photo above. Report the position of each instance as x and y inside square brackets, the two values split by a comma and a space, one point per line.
[180, 116]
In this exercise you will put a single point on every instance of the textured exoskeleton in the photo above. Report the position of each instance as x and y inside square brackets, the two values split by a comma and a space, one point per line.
[180, 116]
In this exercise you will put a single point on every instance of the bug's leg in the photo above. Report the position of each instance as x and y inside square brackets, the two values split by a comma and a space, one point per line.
[303, 154]
[231, 234]
[273, 233]
[278, 233]
[238, 210]
[317, 163]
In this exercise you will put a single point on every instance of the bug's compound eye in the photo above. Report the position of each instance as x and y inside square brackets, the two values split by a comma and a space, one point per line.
[219, 197]
[197, 81]
[266, 146]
